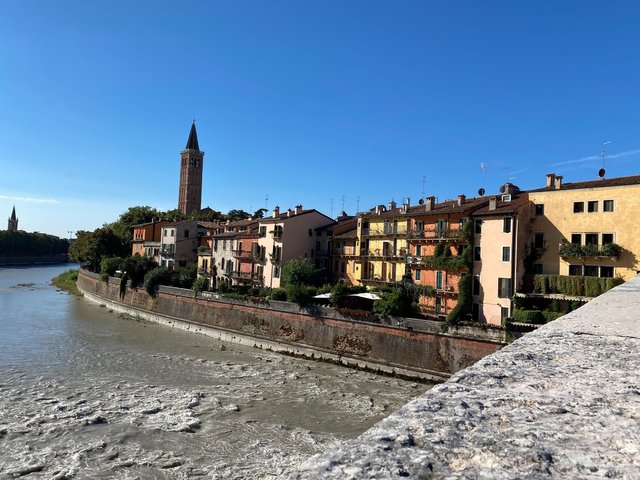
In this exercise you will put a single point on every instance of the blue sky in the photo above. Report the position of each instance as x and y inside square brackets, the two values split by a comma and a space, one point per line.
[306, 101]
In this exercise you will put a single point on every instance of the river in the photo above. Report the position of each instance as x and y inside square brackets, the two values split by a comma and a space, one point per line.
[88, 393]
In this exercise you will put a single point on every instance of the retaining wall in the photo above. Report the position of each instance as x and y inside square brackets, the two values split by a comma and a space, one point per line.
[561, 402]
[284, 327]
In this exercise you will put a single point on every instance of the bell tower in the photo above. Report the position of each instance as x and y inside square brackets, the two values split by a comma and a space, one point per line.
[191, 161]
[13, 221]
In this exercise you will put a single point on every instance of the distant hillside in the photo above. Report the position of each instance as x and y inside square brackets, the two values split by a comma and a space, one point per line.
[21, 244]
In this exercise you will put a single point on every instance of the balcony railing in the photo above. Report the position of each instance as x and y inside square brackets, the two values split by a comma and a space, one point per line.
[346, 251]
[254, 277]
[399, 254]
[385, 231]
[436, 234]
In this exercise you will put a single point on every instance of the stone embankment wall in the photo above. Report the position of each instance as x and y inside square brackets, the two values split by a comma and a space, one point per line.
[561, 402]
[284, 327]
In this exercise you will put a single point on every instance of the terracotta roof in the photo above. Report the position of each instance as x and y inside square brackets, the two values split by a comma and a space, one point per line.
[502, 208]
[283, 216]
[603, 182]
[450, 207]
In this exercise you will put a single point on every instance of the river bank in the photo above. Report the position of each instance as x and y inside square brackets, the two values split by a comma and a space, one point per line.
[317, 333]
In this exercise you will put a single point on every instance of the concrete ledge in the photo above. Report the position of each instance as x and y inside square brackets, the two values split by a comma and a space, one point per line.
[562, 402]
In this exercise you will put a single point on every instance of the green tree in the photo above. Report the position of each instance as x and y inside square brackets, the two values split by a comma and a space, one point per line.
[188, 276]
[259, 213]
[235, 215]
[155, 277]
[136, 267]
[90, 247]
[300, 271]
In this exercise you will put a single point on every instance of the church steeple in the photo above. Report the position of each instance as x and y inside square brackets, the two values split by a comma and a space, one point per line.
[192, 142]
[13, 221]
[191, 163]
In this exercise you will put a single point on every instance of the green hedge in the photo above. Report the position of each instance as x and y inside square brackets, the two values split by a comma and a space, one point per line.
[574, 285]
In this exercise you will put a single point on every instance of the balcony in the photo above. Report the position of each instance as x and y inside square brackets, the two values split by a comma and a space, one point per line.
[246, 276]
[204, 252]
[385, 231]
[608, 250]
[346, 251]
[277, 234]
[167, 252]
[436, 235]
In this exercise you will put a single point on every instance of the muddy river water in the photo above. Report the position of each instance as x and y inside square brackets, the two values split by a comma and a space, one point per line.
[88, 393]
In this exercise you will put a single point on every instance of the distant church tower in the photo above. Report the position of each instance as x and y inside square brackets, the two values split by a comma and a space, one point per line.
[190, 195]
[13, 221]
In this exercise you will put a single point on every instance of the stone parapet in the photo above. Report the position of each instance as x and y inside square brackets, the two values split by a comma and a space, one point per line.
[561, 402]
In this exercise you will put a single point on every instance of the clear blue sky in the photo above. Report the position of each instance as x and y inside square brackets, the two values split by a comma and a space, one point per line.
[306, 101]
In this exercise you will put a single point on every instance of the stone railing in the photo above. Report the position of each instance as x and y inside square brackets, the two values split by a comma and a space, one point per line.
[560, 402]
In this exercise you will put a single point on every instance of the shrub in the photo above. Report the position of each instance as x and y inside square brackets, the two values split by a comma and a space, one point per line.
[300, 271]
[278, 294]
[136, 267]
[108, 266]
[465, 300]
[298, 294]
[201, 284]
[155, 277]
[188, 276]
[390, 304]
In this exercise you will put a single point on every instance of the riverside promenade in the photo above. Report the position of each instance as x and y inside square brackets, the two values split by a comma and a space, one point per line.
[561, 402]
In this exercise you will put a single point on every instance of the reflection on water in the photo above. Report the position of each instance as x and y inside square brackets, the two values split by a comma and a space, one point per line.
[88, 393]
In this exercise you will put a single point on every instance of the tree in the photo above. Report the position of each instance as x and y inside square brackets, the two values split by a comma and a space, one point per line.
[259, 213]
[300, 271]
[188, 276]
[136, 267]
[90, 247]
[174, 215]
[235, 215]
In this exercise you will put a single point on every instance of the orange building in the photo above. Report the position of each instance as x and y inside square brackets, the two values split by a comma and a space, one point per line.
[436, 242]
[146, 233]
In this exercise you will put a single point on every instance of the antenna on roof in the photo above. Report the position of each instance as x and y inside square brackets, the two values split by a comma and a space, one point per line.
[342, 202]
[483, 169]
[331, 208]
[358, 204]
[424, 180]
[602, 171]
[266, 200]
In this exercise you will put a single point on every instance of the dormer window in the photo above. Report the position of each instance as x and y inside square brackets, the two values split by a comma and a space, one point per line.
[506, 198]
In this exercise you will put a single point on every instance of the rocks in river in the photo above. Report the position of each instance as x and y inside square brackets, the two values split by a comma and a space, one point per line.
[232, 407]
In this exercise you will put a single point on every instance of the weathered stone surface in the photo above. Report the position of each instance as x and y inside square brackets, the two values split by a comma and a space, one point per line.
[561, 402]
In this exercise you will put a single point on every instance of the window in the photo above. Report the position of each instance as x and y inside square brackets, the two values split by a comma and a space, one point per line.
[576, 238]
[504, 287]
[575, 270]
[592, 206]
[538, 240]
[607, 206]
[276, 272]
[591, 270]
[311, 232]
[607, 238]
[539, 208]
[506, 225]
[476, 285]
[418, 274]
[476, 254]
[578, 207]
[263, 232]
[591, 239]
[537, 268]
[504, 312]
[343, 267]
[439, 280]
[438, 305]
[506, 254]
[172, 232]
[182, 263]
[418, 250]
[419, 226]
[506, 198]
[478, 226]
[606, 272]
[186, 234]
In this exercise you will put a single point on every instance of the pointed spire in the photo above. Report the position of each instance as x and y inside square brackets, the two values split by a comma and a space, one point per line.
[13, 213]
[192, 143]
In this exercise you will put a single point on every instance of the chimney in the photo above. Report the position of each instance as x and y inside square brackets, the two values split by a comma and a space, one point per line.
[430, 203]
[289, 212]
[551, 178]
[392, 206]
[298, 209]
[558, 183]
[493, 202]
[461, 199]
[276, 212]
[405, 205]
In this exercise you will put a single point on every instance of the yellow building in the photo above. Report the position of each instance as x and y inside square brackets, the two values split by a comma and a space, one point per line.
[587, 228]
[382, 238]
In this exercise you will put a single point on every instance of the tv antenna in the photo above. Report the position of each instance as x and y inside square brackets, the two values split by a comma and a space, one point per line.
[358, 204]
[602, 171]
[483, 169]
[343, 203]
[266, 200]
[424, 180]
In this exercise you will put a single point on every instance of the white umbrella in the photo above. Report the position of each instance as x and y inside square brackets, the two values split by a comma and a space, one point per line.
[367, 295]
[323, 295]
